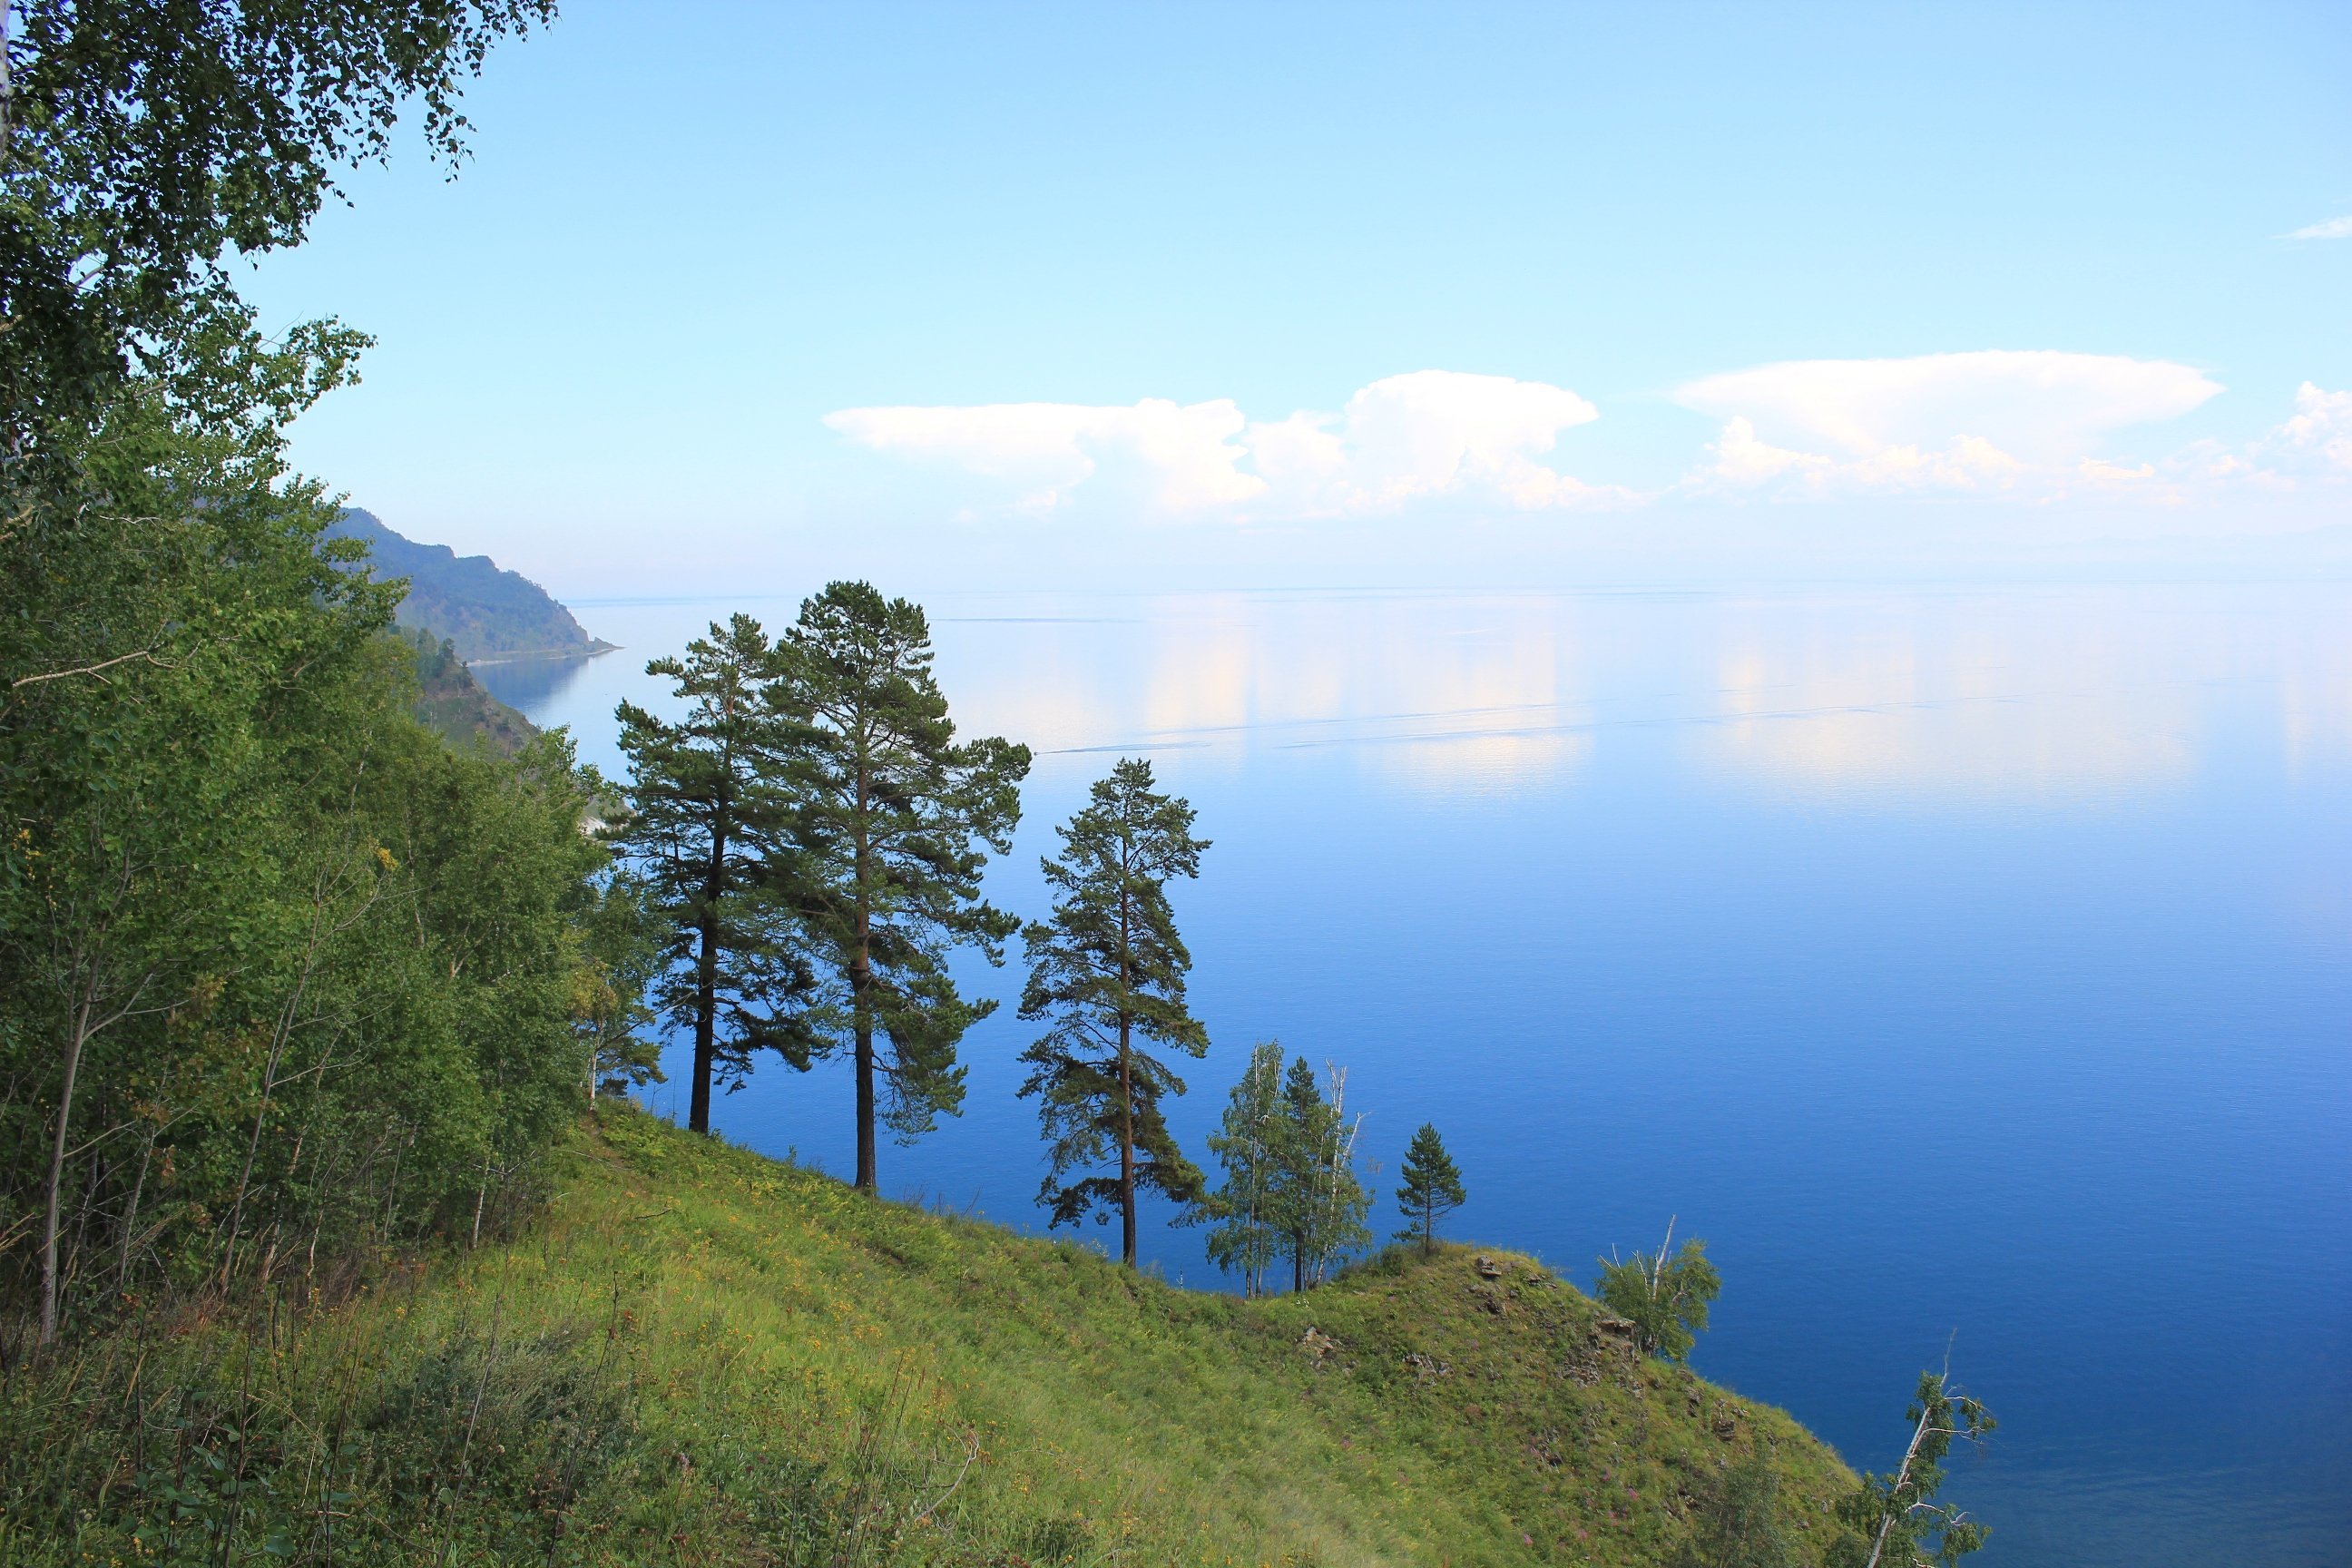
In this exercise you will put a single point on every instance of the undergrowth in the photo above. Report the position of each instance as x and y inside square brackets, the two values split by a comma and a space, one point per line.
[697, 1355]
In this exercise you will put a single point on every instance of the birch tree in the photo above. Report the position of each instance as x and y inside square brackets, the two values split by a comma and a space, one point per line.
[1665, 1294]
[1894, 1520]
[1320, 1204]
[1245, 1238]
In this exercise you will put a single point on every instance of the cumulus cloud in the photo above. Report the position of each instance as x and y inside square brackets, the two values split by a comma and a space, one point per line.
[1402, 441]
[1988, 422]
[2334, 229]
[2318, 435]
[1179, 457]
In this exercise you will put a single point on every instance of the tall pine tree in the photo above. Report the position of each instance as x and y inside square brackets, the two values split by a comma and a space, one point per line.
[1106, 971]
[1429, 1188]
[704, 824]
[890, 816]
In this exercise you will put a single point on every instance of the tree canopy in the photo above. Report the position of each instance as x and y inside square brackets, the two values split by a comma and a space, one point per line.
[143, 141]
[281, 976]
[892, 821]
[1429, 1188]
[1664, 1294]
[1106, 971]
[705, 826]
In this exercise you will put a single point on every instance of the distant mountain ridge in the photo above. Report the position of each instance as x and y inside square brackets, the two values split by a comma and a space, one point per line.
[482, 612]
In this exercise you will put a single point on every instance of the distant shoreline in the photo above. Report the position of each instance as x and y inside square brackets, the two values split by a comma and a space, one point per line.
[533, 655]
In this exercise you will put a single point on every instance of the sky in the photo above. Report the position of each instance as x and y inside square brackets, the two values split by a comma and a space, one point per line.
[739, 297]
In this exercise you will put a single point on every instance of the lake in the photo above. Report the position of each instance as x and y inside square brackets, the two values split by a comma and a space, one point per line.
[1970, 967]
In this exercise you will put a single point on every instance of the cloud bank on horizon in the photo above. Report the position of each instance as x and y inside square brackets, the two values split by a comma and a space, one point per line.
[1402, 440]
[2028, 426]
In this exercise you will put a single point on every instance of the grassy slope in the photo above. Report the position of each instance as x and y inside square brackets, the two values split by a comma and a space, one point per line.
[700, 1355]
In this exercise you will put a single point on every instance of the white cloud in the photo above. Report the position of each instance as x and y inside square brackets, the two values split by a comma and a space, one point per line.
[1399, 442]
[1994, 421]
[1178, 459]
[2334, 229]
[2318, 433]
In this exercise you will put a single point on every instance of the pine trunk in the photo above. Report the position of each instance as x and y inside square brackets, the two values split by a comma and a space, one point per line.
[861, 984]
[1126, 1145]
[866, 1178]
[705, 982]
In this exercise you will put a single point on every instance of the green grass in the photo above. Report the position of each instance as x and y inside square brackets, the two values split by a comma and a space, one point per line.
[699, 1356]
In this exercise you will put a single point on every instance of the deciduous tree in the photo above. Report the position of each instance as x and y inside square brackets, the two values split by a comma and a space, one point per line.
[1106, 971]
[620, 963]
[1665, 1294]
[1735, 1519]
[1244, 1236]
[143, 140]
[1319, 1206]
[1894, 1518]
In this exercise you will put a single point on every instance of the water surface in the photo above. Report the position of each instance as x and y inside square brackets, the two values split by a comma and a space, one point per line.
[1968, 967]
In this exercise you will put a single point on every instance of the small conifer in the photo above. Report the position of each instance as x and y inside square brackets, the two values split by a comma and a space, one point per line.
[1429, 1188]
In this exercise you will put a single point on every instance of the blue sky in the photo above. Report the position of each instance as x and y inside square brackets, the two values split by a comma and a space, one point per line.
[729, 296]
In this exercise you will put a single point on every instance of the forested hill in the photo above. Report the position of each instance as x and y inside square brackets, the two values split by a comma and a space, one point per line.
[452, 704]
[467, 600]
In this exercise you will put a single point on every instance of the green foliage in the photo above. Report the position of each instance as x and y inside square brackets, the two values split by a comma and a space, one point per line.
[1290, 1188]
[1894, 1518]
[706, 815]
[1735, 1521]
[1245, 1238]
[621, 961]
[283, 979]
[1429, 1188]
[1106, 970]
[699, 1355]
[452, 704]
[1318, 1205]
[889, 817]
[143, 140]
[1665, 1297]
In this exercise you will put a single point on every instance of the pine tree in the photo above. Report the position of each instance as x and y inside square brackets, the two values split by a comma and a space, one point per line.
[705, 811]
[889, 815]
[1244, 1238]
[1106, 971]
[1318, 1206]
[1429, 1188]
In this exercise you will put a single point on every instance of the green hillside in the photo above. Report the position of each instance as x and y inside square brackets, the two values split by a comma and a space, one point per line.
[698, 1355]
[452, 704]
[466, 600]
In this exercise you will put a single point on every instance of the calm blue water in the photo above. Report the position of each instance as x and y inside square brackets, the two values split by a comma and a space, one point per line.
[1962, 965]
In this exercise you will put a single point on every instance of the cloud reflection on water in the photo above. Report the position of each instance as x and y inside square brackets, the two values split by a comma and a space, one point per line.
[2064, 696]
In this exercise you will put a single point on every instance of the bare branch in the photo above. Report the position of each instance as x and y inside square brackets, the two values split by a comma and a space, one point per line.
[147, 653]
